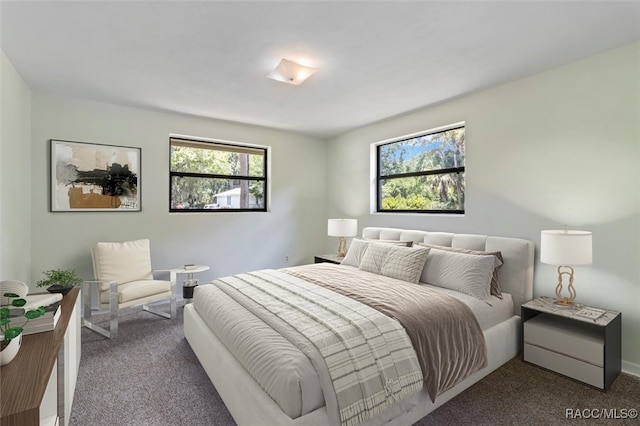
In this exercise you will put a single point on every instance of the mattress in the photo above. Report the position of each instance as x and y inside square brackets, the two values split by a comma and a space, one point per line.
[263, 352]
[297, 392]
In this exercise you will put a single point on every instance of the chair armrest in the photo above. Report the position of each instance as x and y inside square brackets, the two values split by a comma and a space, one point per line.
[113, 285]
[171, 272]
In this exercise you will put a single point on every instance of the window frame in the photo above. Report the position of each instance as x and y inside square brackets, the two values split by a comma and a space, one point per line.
[233, 147]
[380, 178]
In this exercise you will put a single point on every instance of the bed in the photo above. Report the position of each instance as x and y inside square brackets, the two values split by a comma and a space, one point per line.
[269, 375]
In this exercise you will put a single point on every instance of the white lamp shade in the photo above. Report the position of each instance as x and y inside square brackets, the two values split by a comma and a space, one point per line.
[565, 248]
[342, 227]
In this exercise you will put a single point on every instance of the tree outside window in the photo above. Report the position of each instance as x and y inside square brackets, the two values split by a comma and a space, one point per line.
[422, 174]
[217, 176]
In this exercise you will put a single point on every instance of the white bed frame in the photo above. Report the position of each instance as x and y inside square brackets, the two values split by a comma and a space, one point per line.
[250, 405]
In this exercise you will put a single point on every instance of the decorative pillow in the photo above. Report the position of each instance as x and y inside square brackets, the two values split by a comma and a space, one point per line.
[495, 285]
[463, 272]
[392, 242]
[355, 252]
[358, 247]
[393, 261]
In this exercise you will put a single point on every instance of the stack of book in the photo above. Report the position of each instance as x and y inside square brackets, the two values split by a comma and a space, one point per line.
[47, 322]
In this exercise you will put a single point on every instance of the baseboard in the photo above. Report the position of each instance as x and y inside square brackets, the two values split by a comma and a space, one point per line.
[631, 368]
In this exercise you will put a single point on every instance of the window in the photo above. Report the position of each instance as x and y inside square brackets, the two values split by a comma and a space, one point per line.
[422, 174]
[216, 176]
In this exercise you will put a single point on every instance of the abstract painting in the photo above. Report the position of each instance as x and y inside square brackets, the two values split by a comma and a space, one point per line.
[94, 177]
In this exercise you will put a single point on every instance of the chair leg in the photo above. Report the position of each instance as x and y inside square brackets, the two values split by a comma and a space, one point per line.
[172, 303]
[155, 312]
[113, 309]
[112, 333]
[174, 289]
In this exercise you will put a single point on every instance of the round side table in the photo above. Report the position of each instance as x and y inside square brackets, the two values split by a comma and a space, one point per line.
[189, 284]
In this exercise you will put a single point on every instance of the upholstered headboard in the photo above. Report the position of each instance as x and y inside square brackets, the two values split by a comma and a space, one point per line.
[516, 274]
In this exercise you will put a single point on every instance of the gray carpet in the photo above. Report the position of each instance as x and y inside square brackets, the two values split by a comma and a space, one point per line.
[147, 376]
[150, 376]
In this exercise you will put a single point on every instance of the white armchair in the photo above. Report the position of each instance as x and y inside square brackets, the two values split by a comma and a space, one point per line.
[123, 278]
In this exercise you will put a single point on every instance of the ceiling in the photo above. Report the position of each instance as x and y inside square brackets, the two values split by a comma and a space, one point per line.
[375, 59]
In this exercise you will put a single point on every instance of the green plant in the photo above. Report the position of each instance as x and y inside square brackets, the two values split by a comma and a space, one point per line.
[9, 331]
[61, 277]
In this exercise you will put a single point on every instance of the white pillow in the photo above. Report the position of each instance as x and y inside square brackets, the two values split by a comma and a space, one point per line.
[393, 261]
[467, 273]
[355, 252]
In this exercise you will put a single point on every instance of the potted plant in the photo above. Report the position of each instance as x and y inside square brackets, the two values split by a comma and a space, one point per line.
[11, 334]
[59, 280]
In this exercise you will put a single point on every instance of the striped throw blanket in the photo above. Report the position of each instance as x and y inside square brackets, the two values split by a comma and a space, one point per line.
[369, 357]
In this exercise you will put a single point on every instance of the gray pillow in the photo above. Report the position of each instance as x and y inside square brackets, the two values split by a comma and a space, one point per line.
[393, 242]
[495, 285]
[467, 273]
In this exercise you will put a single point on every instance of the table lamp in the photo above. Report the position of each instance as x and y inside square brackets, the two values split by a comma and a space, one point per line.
[342, 228]
[565, 248]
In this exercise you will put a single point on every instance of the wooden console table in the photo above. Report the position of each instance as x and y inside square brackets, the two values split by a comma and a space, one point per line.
[33, 391]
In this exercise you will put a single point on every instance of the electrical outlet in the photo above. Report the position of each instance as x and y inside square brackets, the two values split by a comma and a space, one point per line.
[286, 259]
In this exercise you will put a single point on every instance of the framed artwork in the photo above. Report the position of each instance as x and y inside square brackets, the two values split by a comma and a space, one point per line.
[94, 177]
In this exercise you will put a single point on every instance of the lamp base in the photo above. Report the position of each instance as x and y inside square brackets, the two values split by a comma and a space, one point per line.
[563, 303]
[342, 247]
[560, 299]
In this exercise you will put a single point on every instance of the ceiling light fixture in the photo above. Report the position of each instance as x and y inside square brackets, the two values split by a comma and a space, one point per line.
[291, 72]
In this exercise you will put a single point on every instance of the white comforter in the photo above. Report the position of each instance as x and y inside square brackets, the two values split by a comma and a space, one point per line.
[369, 361]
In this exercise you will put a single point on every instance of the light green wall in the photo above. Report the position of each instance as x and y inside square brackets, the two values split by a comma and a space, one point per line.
[15, 174]
[561, 147]
[227, 242]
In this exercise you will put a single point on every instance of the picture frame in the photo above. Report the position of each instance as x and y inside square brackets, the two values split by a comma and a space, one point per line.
[91, 177]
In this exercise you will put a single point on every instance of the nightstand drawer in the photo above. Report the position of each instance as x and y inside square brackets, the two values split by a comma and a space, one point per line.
[571, 367]
[571, 338]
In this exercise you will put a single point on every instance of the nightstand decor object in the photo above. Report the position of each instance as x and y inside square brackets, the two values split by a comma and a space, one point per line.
[342, 228]
[564, 248]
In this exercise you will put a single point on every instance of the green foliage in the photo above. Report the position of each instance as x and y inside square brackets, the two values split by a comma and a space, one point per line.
[222, 166]
[6, 329]
[61, 277]
[428, 153]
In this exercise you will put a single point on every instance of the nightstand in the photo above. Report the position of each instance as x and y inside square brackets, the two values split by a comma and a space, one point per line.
[584, 349]
[328, 258]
